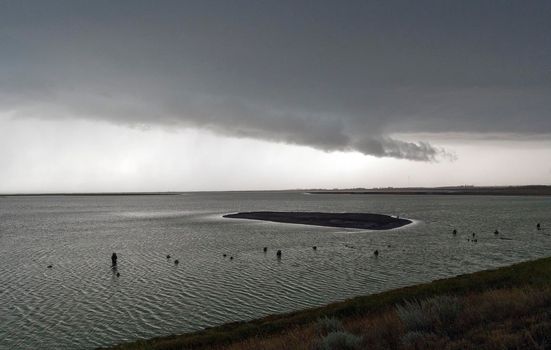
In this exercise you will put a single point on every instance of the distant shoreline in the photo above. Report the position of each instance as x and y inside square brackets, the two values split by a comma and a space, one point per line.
[344, 220]
[430, 193]
[449, 191]
[529, 190]
[85, 194]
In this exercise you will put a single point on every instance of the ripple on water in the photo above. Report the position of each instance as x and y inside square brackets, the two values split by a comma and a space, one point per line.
[80, 303]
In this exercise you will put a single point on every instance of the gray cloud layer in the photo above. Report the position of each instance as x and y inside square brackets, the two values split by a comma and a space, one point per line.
[331, 75]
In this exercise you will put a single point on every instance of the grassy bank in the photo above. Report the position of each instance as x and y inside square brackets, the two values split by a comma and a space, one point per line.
[504, 308]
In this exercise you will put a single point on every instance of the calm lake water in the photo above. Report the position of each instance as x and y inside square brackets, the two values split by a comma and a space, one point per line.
[80, 304]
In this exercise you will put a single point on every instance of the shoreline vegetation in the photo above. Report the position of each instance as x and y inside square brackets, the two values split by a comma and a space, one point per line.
[345, 220]
[503, 308]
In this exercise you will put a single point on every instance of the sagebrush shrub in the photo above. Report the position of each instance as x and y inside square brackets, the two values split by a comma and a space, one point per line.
[424, 315]
[413, 338]
[414, 317]
[327, 325]
[443, 308]
[340, 341]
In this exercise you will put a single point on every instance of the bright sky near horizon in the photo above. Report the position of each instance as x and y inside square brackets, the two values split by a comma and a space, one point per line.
[217, 95]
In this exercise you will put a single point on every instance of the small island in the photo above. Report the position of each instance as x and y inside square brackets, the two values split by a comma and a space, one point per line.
[345, 220]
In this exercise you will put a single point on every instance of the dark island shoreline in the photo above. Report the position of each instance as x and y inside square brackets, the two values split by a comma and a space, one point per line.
[344, 220]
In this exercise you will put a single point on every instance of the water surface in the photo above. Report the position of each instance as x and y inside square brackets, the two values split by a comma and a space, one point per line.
[80, 303]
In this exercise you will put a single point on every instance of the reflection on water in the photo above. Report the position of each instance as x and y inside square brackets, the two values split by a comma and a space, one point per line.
[80, 302]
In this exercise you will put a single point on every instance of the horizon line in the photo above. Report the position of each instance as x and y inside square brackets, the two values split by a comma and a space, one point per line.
[378, 189]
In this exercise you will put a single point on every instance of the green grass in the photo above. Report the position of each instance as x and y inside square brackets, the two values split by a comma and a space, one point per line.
[528, 274]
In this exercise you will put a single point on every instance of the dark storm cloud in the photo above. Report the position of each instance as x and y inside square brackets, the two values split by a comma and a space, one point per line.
[331, 75]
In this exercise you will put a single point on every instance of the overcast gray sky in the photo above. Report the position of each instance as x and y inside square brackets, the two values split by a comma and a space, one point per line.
[183, 95]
